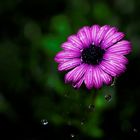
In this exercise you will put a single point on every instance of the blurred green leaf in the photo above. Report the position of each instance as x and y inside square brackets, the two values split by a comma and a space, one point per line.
[51, 44]
[32, 31]
[60, 25]
[92, 125]
[102, 12]
[7, 5]
[125, 6]
[11, 65]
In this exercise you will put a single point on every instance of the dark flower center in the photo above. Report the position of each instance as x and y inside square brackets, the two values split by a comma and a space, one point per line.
[92, 55]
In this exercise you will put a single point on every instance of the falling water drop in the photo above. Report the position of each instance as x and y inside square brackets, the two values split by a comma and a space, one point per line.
[72, 135]
[91, 107]
[135, 130]
[114, 81]
[108, 97]
[44, 122]
[82, 123]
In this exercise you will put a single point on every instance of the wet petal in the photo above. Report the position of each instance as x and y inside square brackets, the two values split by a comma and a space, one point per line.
[75, 41]
[97, 80]
[61, 60]
[92, 77]
[89, 77]
[76, 74]
[64, 56]
[112, 40]
[106, 78]
[85, 36]
[68, 54]
[69, 64]
[102, 32]
[110, 32]
[94, 31]
[69, 75]
[115, 57]
[68, 46]
[80, 72]
[112, 67]
[79, 83]
[123, 47]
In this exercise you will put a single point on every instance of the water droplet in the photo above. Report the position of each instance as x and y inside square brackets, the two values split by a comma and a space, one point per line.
[114, 82]
[114, 40]
[72, 135]
[91, 107]
[135, 130]
[108, 97]
[82, 123]
[44, 122]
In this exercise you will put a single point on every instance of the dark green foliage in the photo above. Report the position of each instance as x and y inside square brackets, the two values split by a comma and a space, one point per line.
[33, 91]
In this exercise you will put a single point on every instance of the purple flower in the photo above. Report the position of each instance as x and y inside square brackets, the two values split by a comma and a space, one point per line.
[94, 56]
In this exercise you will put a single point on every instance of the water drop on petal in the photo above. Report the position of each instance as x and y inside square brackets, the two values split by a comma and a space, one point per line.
[114, 40]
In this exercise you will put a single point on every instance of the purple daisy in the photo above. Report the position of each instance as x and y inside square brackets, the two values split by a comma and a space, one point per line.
[94, 56]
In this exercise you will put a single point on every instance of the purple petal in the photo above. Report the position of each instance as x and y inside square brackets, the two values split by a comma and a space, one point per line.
[106, 78]
[69, 75]
[123, 47]
[80, 72]
[69, 64]
[112, 67]
[68, 54]
[112, 40]
[61, 60]
[75, 41]
[97, 80]
[94, 31]
[102, 32]
[92, 77]
[79, 83]
[76, 74]
[68, 46]
[115, 57]
[89, 77]
[110, 32]
[85, 36]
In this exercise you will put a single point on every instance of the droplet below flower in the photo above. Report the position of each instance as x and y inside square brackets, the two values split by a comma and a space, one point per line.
[72, 135]
[108, 97]
[91, 107]
[44, 122]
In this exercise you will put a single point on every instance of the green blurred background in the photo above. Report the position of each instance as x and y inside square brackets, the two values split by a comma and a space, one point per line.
[35, 103]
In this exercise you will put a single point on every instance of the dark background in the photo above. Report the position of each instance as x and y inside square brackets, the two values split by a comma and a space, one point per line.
[35, 103]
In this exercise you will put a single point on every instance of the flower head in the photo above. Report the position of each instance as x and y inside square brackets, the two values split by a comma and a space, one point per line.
[94, 56]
